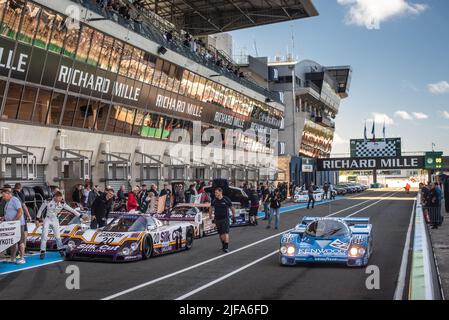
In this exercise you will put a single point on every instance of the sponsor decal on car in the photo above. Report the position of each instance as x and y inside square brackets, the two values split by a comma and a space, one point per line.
[340, 244]
[313, 251]
[94, 248]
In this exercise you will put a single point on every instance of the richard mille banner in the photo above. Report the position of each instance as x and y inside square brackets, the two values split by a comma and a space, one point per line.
[9, 234]
[38, 66]
[338, 164]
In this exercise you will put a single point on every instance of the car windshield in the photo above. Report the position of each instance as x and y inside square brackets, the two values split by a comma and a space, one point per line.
[66, 218]
[128, 223]
[326, 228]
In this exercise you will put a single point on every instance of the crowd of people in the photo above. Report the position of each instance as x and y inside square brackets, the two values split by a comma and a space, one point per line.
[431, 199]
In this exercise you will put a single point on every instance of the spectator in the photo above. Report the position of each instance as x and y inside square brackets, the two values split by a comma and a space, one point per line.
[121, 194]
[332, 191]
[168, 195]
[326, 190]
[275, 205]
[93, 194]
[19, 195]
[266, 201]
[14, 212]
[142, 198]
[168, 36]
[77, 194]
[179, 196]
[133, 204]
[190, 194]
[153, 189]
[434, 204]
[86, 192]
[254, 206]
[101, 208]
[310, 190]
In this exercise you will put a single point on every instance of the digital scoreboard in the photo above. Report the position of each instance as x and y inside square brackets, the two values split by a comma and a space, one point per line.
[433, 160]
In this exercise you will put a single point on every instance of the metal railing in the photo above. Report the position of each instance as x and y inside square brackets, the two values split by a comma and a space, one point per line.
[154, 30]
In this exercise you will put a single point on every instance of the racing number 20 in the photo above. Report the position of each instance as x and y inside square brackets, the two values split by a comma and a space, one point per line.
[108, 240]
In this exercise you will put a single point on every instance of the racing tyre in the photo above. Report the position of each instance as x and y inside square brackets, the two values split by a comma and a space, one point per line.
[147, 249]
[28, 193]
[189, 239]
[201, 231]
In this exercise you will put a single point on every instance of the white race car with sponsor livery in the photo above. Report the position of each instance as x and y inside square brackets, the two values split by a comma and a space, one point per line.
[303, 196]
[130, 237]
[69, 224]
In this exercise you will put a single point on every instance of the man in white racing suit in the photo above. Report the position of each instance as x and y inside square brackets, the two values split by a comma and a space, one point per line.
[53, 208]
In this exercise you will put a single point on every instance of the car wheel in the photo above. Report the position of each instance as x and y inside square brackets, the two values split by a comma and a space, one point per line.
[147, 249]
[189, 239]
[201, 230]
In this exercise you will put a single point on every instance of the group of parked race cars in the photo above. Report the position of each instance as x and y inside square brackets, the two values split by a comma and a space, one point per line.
[302, 195]
[130, 236]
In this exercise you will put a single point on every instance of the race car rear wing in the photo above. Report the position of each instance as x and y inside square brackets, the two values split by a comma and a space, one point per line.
[349, 221]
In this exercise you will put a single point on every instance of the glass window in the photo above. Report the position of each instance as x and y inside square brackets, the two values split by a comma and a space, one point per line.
[190, 84]
[150, 61]
[12, 101]
[42, 105]
[177, 80]
[157, 72]
[201, 87]
[27, 104]
[11, 19]
[112, 118]
[326, 228]
[102, 116]
[91, 115]
[116, 56]
[57, 101]
[107, 47]
[196, 81]
[165, 75]
[184, 80]
[124, 120]
[126, 60]
[69, 111]
[141, 66]
[95, 50]
[134, 63]
[82, 110]
[71, 43]
[29, 24]
[2, 88]
[49, 21]
[138, 122]
[84, 44]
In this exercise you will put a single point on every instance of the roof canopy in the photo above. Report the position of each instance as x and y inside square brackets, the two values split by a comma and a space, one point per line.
[202, 17]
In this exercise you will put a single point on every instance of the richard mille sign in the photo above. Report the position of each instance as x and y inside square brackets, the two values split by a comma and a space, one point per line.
[336, 164]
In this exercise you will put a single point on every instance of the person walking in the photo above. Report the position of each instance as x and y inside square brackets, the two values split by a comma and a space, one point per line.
[254, 206]
[13, 211]
[265, 201]
[275, 205]
[311, 198]
[326, 190]
[101, 207]
[332, 191]
[50, 220]
[219, 213]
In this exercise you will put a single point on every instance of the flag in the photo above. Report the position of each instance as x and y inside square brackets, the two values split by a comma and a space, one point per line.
[373, 131]
[364, 133]
[383, 131]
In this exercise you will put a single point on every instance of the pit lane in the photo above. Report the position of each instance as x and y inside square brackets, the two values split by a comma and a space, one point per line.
[251, 271]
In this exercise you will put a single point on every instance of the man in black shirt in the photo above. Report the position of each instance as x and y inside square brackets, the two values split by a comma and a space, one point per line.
[101, 208]
[311, 198]
[221, 206]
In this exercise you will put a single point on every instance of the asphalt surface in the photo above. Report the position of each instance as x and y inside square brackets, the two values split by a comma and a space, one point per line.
[250, 271]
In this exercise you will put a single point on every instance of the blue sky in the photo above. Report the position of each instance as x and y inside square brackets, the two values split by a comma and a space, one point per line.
[400, 64]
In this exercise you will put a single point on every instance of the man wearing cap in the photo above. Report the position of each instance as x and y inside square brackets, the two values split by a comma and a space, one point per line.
[13, 211]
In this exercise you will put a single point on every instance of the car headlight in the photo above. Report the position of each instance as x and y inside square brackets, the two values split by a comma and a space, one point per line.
[134, 246]
[71, 244]
[288, 250]
[126, 251]
[356, 252]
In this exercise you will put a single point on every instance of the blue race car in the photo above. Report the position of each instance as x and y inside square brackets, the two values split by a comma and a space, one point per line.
[328, 240]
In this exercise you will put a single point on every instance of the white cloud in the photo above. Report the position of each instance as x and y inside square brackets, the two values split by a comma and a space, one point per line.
[370, 13]
[445, 114]
[420, 115]
[339, 140]
[404, 115]
[381, 118]
[438, 88]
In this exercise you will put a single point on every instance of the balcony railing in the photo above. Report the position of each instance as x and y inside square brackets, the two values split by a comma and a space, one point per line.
[148, 28]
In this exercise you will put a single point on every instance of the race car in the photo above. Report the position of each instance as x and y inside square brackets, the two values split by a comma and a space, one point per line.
[130, 237]
[328, 240]
[196, 214]
[303, 196]
[69, 224]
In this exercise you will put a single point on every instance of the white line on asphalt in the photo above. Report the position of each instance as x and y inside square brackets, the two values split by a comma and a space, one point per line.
[400, 287]
[148, 283]
[372, 204]
[207, 285]
[32, 267]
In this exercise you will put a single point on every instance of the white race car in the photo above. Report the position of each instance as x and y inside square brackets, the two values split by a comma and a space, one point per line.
[303, 196]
